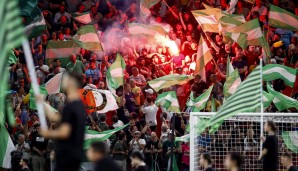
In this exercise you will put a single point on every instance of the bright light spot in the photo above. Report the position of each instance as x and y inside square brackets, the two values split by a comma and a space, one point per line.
[167, 42]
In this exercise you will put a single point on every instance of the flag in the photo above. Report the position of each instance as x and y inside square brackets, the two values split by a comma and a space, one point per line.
[282, 101]
[246, 98]
[208, 18]
[43, 92]
[213, 105]
[53, 86]
[12, 59]
[35, 23]
[200, 102]
[6, 147]
[215, 20]
[169, 101]
[240, 38]
[267, 99]
[87, 38]
[61, 50]
[276, 71]
[232, 80]
[184, 138]
[290, 138]
[174, 164]
[203, 57]
[250, 33]
[96, 100]
[253, 31]
[146, 33]
[11, 36]
[83, 18]
[115, 74]
[168, 81]
[36, 27]
[230, 21]
[145, 6]
[93, 136]
[281, 18]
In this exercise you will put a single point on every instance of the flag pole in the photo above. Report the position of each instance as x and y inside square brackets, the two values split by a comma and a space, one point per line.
[34, 83]
[262, 106]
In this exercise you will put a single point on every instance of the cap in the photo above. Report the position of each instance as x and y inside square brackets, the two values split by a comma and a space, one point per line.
[137, 132]
[278, 44]
[92, 59]
[150, 91]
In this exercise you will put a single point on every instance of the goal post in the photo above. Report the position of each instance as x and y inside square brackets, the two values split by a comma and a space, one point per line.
[240, 133]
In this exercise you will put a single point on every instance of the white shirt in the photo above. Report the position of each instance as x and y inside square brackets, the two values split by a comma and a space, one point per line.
[25, 148]
[135, 146]
[40, 74]
[150, 114]
[118, 124]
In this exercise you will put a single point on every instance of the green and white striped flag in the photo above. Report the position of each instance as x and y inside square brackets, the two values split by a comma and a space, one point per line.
[36, 27]
[200, 102]
[282, 101]
[267, 99]
[204, 56]
[83, 18]
[253, 31]
[168, 81]
[11, 36]
[6, 147]
[184, 138]
[146, 33]
[169, 101]
[87, 38]
[93, 136]
[290, 138]
[250, 33]
[275, 71]
[246, 98]
[232, 80]
[61, 50]
[240, 38]
[115, 74]
[215, 20]
[281, 18]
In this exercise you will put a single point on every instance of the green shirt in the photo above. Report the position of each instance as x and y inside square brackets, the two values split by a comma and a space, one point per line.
[77, 67]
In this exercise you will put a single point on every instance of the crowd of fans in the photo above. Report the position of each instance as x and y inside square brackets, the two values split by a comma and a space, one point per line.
[149, 125]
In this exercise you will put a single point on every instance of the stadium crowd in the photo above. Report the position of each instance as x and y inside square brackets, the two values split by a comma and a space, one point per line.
[149, 136]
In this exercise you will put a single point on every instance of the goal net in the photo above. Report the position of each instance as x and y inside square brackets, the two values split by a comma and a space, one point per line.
[241, 134]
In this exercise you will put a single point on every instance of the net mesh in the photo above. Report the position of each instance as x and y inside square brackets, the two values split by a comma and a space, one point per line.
[240, 134]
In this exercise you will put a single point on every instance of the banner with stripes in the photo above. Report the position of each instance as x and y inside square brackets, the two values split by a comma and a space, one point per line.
[246, 98]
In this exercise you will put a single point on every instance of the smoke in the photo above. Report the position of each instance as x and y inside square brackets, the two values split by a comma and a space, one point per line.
[114, 39]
